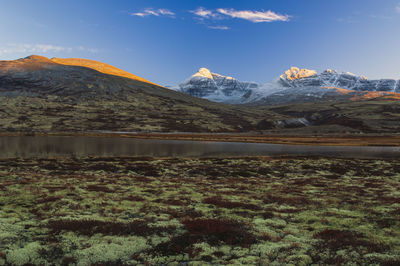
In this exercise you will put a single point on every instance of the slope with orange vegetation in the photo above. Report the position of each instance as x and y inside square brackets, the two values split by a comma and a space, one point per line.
[99, 66]
[30, 63]
[376, 94]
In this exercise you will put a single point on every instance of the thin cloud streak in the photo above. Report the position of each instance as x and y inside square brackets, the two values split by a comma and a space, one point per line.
[398, 8]
[218, 27]
[154, 12]
[348, 20]
[254, 16]
[42, 48]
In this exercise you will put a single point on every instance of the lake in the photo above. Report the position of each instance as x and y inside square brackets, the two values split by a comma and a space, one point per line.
[80, 146]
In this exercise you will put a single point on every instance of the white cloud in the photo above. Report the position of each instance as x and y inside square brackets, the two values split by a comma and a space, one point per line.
[398, 8]
[254, 16]
[219, 27]
[166, 12]
[154, 12]
[204, 13]
[41, 48]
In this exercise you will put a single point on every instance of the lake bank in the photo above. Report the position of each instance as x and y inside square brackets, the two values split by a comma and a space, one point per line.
[101, 146]
[324, 140]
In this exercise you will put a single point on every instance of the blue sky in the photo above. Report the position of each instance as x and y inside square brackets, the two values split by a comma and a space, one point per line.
[167, 41]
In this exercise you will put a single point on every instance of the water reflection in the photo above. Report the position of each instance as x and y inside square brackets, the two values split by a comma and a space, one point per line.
[41, 146]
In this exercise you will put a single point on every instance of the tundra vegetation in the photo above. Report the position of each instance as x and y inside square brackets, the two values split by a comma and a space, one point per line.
[250, 211]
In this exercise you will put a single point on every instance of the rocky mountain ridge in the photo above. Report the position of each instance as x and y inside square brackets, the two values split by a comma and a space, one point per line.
[295, 77]
[293, 86]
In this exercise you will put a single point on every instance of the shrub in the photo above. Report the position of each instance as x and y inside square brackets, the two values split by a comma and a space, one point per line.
[48, 199]
[218, 201]
[339, 239]
[91, 227]
[99, 188]
[214, 231]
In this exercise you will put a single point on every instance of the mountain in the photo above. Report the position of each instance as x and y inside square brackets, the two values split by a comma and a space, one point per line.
[296, 78]
[215, 87]
[42, 94]
[294, 86]
[39, 94]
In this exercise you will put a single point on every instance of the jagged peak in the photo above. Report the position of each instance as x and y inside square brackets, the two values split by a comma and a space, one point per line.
[330, 71]
[335, 72]
[297, 73]
[204, 72]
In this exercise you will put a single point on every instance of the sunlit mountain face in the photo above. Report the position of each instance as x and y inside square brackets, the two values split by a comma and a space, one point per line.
[99, 66]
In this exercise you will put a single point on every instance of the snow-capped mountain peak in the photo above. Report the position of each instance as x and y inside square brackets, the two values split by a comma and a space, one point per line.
[297, 73]
[204, 73]
[216, 87]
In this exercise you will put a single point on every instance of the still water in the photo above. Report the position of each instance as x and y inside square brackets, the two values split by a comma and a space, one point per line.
[43, 146]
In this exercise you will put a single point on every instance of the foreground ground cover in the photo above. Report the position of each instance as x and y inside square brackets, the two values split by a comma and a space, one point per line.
[250, 211]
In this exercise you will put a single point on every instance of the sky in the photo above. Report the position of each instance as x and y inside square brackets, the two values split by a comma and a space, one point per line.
[166, 41]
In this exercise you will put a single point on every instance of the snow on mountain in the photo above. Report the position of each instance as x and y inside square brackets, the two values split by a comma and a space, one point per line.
[294, 85]
[215, 87]
[332, 78]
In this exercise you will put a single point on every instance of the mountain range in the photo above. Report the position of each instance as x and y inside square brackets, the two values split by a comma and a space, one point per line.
[39, 94]
[294, 86]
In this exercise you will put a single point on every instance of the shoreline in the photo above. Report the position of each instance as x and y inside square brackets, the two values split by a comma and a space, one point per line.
[317, 140]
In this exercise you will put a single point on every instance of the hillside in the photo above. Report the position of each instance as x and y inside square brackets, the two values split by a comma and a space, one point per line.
[99, 66]
[39, 94]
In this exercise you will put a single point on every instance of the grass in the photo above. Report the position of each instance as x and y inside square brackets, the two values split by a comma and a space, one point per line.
[161, 110]
[251, 211]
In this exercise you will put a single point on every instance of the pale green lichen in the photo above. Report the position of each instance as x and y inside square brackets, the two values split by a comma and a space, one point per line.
[26, 254]
[285, 232]
[111, 249]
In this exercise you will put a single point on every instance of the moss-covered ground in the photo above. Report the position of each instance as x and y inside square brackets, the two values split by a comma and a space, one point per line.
[249, 211]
